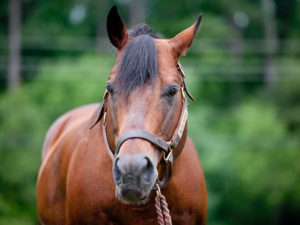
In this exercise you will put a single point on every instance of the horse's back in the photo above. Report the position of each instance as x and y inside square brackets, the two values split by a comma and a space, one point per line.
[63, 123]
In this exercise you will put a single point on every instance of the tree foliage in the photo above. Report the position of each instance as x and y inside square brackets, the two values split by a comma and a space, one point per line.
[246, 131]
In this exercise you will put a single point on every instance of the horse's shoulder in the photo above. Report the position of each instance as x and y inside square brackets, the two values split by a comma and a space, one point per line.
[198, 191]
[64, 122]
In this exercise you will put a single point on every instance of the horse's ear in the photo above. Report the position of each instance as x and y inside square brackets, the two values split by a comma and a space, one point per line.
[116, 28]
[182, 41]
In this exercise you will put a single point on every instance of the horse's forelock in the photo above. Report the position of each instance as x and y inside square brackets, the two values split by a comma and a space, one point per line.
[139, 63]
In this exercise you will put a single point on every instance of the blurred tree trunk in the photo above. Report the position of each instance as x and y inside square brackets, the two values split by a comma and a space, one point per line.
[14, 44]
[235, 46]
[271, 41]
[102, 9]
[136, 12]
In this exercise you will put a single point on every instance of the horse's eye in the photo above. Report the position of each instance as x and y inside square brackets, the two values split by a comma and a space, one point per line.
[110, 88]
[172, 92]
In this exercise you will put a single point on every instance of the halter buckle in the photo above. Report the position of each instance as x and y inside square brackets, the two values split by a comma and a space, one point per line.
[169, 157]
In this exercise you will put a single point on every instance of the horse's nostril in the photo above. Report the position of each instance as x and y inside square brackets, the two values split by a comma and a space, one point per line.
[116, 172]
[136, 170]
[147, 171]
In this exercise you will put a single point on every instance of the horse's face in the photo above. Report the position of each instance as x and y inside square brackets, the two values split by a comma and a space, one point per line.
[155, 107]
[150, 101]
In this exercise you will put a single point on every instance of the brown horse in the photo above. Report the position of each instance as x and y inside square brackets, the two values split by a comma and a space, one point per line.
[101, 163]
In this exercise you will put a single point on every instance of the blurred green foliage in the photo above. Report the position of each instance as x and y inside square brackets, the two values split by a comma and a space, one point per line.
[25, 117]
[246, 131]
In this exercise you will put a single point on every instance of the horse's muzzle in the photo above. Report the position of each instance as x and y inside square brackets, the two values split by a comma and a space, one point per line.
[134, 176]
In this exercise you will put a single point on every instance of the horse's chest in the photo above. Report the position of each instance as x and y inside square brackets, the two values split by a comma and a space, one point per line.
[119, 214]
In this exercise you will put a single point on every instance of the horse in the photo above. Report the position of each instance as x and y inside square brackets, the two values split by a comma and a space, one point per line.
[101, 163]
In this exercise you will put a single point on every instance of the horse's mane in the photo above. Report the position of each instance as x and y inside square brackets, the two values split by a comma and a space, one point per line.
[138, 64]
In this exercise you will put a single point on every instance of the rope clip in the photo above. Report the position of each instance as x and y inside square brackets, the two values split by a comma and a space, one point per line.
[158, 192]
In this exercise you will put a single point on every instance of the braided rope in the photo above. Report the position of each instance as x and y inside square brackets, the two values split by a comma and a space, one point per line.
[163, 213]
[160, 217]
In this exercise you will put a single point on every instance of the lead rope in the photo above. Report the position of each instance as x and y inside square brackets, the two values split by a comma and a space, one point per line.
[161, 205]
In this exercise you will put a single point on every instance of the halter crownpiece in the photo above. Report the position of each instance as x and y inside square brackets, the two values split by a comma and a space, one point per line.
[180, 69]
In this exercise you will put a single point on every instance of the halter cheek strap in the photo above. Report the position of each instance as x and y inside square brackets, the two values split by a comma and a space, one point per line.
[100, 111]
[180, 69]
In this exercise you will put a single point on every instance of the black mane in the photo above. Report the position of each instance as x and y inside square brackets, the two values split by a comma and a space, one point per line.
[138, 64]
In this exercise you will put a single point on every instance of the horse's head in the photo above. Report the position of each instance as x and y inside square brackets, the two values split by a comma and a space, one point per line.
[144, 97]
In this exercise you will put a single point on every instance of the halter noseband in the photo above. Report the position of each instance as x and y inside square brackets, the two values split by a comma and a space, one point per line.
[167, 147]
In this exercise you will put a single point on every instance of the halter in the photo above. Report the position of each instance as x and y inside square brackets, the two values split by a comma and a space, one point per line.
[167, 147]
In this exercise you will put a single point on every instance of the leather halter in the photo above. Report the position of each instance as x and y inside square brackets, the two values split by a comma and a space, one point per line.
[166, 147]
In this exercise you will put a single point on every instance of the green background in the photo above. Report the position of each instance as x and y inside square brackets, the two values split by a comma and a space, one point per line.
[246, 127]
